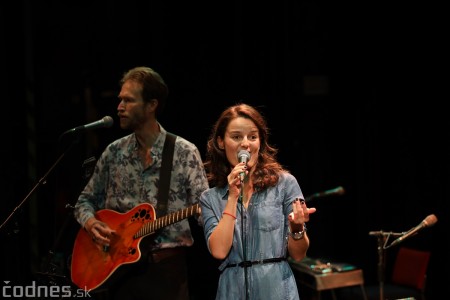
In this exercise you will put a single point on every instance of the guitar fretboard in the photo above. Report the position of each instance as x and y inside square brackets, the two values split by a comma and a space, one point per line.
[151, 227]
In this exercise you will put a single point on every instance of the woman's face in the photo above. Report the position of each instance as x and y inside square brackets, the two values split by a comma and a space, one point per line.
[241, 134]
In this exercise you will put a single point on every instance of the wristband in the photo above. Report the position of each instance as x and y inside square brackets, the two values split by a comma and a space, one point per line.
[227, 213]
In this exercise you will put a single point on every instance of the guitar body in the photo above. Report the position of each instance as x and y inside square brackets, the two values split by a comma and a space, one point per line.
[92, 266]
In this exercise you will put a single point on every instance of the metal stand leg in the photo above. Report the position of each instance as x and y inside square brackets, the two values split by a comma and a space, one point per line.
[333, 294]
[363, 290]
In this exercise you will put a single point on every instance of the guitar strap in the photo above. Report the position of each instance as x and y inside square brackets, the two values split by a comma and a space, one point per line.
[164, 174]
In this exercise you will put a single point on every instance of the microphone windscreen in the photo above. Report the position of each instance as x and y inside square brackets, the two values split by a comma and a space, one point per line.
[430, 220]
[108, 121]
[244, 154]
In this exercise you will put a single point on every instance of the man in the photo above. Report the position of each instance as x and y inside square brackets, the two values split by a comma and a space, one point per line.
[128, 174]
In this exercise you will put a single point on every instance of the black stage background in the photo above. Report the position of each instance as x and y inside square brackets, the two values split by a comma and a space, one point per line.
[353, 93]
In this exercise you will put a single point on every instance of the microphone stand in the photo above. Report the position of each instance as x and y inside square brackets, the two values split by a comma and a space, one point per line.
[382, 238]
[244, 238]
[41, 182]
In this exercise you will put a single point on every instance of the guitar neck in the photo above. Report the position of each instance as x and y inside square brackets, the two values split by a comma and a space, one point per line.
[151, 227]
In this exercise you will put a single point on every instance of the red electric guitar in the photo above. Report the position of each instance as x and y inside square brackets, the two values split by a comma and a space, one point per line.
[91, 267]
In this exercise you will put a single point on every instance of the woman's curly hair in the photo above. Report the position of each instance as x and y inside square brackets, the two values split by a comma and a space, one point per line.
[267, 169]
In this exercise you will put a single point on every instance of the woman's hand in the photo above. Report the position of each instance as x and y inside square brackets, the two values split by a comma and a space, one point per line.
[300, 214]
[234, 179]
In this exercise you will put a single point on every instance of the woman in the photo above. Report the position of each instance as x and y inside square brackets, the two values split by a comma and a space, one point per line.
[254, 214]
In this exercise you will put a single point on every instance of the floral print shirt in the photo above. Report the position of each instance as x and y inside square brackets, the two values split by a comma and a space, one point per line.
[120, 183]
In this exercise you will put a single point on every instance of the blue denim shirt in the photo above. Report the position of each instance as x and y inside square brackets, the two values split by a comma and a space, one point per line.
[266, 233]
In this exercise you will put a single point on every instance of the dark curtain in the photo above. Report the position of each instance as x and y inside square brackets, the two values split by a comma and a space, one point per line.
[353, 94]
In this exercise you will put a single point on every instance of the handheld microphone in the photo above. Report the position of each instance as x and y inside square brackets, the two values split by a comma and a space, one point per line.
[243, 156]
[105, 122]
[336, 191]
[427, 222]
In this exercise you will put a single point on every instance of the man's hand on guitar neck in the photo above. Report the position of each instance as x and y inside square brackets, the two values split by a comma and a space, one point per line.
[99, 231]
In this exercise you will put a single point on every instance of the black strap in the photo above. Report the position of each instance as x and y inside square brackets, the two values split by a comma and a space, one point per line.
[164, 174]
